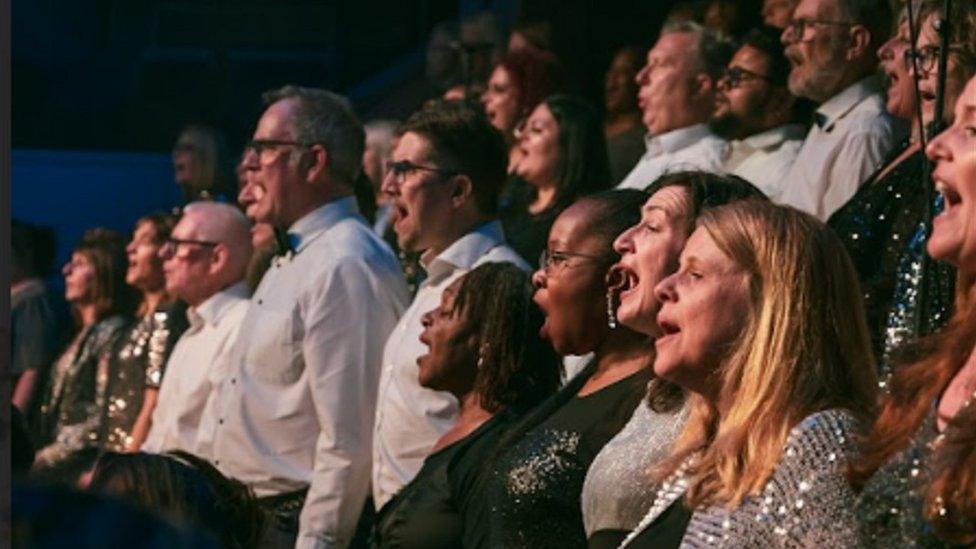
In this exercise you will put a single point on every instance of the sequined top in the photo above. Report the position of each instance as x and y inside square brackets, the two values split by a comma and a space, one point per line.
[136, 363]
[882, 227]
[890, 506]
[618, 490]
[806, 503]
[533, 489]
[72, 411]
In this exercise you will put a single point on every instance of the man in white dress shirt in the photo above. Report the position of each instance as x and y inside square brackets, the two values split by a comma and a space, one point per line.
[205, 259]
[831, 45]
[447, 170]
[755, 110]
[295, 412]
[677, 96]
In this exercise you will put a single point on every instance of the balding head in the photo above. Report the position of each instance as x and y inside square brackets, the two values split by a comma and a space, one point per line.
[215, 252]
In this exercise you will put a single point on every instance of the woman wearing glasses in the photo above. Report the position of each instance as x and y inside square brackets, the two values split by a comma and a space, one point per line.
[70, 426]
[136, 365]
[530, 495]
[562, 157]
[880, 224]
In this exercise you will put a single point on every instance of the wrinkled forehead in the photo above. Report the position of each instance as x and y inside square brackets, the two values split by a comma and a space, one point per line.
[674, 201]
[817, 9]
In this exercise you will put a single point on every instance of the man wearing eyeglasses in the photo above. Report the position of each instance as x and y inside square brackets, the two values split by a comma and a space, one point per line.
[444, 179]
[831, 45]
[756, 112]
[204, 261]
[293, 417]
[677, 95]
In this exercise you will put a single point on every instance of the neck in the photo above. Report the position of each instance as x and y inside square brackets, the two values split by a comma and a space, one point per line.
[465, 223]
[87, 314]
[622, 349]
[152, 299]
[313, 202]
[621, 121]
[544, 197]
[471, 411]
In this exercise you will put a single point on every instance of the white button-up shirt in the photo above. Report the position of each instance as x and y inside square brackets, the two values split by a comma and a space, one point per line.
[764, 159]
[195, 366]
[410, 418]
[690, 148]
[853, 137]
[296, 409]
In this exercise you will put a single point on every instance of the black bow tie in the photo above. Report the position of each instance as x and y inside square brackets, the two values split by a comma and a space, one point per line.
[819, 119]
[283, 244]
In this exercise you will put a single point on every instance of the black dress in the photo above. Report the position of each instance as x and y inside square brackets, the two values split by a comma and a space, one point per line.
[533, 489]
[429, 512]
[527, 233]
[882, 227]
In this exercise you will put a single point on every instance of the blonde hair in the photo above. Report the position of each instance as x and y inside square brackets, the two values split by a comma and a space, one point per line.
[804, 348]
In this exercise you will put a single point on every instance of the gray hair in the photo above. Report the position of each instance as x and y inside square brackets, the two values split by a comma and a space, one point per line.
[326, 118]
[714, 49]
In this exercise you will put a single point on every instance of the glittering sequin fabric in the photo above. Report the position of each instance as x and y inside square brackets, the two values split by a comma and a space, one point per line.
[806, 503]
[882, 227]
[534, 490]
[890, 506]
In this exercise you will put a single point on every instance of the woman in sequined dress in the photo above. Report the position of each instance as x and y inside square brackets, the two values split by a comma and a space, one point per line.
[882, 226]
[136, 365]
[763, 330]
[618, 491]
[69, 427]
[530, 496]
[918, 465]
[484, 347]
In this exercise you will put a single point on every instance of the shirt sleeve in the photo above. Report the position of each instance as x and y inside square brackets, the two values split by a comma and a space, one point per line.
[345, 322]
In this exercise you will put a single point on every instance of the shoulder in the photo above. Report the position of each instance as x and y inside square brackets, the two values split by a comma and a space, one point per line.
[502, 254]
[818, 446]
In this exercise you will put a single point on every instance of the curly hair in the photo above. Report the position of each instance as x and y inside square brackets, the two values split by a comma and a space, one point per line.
[516, 366]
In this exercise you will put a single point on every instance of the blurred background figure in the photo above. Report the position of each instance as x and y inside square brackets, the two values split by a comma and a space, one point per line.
[184, 489]
[380, 140]
[622, 115]
[202, 165]
[39, 321]
[778, 13]
[69, 426]
[732, 17]
[460, 56]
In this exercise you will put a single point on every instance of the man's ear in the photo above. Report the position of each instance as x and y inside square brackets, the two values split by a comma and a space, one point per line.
[859, 42]
[219, 259]
[462, 189]
[315, 162]
[705, 85]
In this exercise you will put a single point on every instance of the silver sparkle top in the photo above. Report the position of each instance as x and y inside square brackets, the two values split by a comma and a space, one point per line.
[618, 490]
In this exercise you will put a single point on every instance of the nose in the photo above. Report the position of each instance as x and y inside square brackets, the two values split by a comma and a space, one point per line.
[66, 269]
[130, 247]
[389, 185]
[539, 279]
[664, 291]
[936, 150]
[786, 38]
[641, 77]
[427, 319]
[625, 243]
[886, 51]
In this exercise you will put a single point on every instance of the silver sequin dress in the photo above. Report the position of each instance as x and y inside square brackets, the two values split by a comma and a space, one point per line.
[618, 491]
[806, 503]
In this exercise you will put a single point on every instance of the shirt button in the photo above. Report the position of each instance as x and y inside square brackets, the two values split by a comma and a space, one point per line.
[220, 421]
[233, 380]
[216, 462]
[260, 301]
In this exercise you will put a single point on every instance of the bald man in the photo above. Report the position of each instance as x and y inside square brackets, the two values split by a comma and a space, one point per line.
[205, 260]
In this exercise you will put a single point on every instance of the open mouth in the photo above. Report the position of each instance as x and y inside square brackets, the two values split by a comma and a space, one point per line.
[926, 95]
[400, 213]
[625, 281]
[950, 198]
[668, 331]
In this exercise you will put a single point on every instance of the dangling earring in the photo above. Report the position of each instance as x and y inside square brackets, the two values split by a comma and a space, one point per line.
[481, 356]
[611, 310]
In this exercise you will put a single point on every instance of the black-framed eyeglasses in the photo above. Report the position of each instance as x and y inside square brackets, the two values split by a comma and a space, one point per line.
[261, 145]
[400, 168]
[171, 244]
[550, 261]
[737, 75]
[926, 58]
[801, 30]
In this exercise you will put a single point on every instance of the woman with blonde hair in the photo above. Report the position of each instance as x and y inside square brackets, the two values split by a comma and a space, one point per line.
[918, 464]
[763, 328]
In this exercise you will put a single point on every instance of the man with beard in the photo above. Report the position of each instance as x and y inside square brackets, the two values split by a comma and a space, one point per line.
[292, 416]
[677, 96]
[754, 110]
[444, 179]
[831, 45]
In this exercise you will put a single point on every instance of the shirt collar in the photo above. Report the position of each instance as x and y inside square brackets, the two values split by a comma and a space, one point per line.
[774, 137]
[676, 140]
[214, 307]
[465, 251]
[844, 102]
[316, 222]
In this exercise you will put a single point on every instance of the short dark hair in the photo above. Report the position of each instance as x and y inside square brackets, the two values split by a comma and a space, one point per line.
[105, 249]
[585, 165]
[766, 40]
[327, 118]
[611, 213]
[876, 15]
[162, 223]
[516, 366]
[463, 140]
